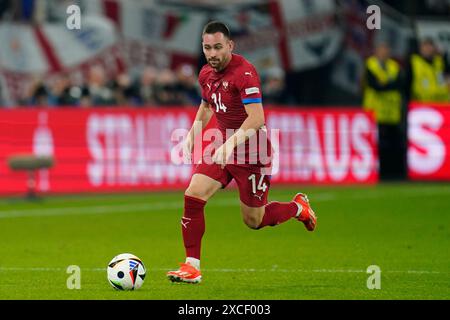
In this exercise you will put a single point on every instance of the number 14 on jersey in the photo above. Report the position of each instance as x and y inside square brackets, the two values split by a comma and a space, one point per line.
[218, 102]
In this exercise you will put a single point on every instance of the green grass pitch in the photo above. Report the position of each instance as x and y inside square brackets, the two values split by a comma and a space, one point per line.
[402, 228]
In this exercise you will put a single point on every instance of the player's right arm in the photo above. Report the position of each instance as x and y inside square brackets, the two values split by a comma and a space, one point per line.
[202, 117]
[204, 114]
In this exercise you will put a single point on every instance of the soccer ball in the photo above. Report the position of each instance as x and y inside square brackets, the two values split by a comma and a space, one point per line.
[126, 272]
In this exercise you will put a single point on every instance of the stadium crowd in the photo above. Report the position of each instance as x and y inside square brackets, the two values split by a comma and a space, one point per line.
[152, 87]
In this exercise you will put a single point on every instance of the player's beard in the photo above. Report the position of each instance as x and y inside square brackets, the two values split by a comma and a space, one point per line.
[220, 64]
[215, 64]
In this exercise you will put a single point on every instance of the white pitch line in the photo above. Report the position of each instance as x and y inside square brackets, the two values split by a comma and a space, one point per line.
[227, 270]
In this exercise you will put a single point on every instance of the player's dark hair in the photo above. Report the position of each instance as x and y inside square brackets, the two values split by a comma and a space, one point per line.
[216, 26]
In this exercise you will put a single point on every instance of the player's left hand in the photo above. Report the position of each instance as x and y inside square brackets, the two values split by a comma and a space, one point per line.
[222, 154]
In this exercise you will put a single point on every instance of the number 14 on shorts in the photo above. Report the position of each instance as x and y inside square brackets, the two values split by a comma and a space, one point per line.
[262, 186]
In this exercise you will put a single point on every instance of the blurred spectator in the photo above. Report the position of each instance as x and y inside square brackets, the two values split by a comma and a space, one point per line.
[63, 93]
[124, 92]
[187, 85]
[428, 74]
[38, 95]
[166, 92]
[85, 99]
[383, 96]
[97, 89]
[382, 91]
[274, 86]
[144, 87]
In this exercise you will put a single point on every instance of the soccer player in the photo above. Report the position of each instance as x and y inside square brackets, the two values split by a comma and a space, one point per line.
[231, 90]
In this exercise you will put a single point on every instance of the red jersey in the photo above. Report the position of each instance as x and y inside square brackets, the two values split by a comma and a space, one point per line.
[227, 91]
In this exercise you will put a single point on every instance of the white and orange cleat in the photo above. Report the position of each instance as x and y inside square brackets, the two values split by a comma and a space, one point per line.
[305, 212]
[187, 273]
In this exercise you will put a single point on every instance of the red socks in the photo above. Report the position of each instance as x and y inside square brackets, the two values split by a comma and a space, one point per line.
[278, 212]
[193, 225]
[193, 221]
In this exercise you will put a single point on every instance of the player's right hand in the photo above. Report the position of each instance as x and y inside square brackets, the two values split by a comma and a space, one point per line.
[188, 147]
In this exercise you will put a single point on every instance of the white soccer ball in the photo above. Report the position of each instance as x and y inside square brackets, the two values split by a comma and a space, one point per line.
[126, 272]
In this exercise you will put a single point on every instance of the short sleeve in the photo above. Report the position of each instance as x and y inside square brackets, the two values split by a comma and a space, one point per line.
[249, 86]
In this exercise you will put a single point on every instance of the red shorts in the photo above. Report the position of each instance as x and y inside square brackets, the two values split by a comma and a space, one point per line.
[253, 185]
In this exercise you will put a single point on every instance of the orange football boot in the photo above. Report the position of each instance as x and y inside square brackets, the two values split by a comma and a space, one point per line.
[305, 214]
[187, 273]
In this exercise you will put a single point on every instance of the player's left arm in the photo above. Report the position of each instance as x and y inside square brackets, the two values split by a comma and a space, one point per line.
[251, 125]
[254, 121]
[249, 86]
